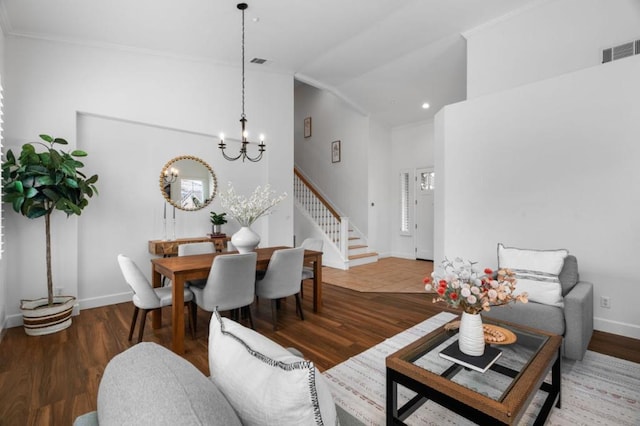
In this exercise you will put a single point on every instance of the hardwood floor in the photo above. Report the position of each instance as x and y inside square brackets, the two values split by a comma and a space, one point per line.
[49, 380]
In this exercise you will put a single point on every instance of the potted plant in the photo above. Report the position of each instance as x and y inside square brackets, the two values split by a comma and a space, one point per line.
[217, 220]
[36, 184]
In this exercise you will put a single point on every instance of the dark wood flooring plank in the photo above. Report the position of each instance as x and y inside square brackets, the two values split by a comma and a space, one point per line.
[49, 380]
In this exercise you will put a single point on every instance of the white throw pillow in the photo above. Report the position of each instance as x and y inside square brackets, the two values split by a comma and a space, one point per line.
[536, 271]
[265, 383]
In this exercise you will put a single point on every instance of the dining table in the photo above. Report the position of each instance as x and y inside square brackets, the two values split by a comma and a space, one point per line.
[181, 269]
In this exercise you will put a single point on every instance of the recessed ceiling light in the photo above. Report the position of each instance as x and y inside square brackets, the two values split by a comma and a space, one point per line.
[425, 106]
[256, 19]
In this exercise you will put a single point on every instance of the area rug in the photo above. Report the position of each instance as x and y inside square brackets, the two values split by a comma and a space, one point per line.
[599, 390]
[388, 275]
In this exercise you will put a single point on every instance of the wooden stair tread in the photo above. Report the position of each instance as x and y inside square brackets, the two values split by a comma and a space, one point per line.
[363, 255]
[357, 246]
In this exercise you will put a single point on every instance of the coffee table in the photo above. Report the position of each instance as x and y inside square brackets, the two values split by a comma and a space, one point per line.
[498, 396]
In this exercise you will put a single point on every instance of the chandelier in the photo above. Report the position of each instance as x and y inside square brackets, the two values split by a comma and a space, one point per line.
[243, 118]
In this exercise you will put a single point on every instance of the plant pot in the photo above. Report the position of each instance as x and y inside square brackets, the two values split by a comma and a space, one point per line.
[245, 240]
[216, 229]
[39, 318]
[471, 335]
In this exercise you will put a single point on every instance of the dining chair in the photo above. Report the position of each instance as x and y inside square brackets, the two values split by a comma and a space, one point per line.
[147, 298]
[230, 285]
[314, 244]
[190, 249]
[282, 279]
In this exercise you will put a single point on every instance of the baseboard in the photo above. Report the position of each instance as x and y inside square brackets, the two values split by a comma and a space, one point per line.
[404, 256]
[14, 321]
[111, 299]
[616, 327]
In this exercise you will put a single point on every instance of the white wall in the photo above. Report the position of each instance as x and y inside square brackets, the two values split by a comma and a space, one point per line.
[345, 183]
[3, 262]
[548, 40]
[380, 189]
[549, 165]
[412, 148]
[75, 92]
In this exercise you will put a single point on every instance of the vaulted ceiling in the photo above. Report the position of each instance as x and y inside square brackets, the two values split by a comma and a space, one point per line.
[386, 57]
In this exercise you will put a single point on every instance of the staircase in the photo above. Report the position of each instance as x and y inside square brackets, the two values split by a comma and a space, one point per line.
[349, 244]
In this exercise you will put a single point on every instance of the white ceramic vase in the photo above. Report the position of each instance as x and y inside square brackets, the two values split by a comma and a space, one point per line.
[471, 335]
[245, 240]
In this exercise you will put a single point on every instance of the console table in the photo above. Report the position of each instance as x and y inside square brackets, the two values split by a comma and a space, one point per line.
[170, 247]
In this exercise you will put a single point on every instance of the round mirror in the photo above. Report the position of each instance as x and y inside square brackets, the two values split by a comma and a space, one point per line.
[188, 183]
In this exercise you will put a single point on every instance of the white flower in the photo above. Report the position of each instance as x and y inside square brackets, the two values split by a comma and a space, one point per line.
[465, 292]
[248, 210]
[471, 299]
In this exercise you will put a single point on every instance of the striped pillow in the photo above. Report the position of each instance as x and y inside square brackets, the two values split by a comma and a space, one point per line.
[265, 383]
[537, 272]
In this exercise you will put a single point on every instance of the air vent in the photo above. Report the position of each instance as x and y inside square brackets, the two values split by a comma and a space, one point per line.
[621, 51]
[259, 61]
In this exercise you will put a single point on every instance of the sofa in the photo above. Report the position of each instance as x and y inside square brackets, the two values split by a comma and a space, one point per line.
[253, 381]
[571, 316]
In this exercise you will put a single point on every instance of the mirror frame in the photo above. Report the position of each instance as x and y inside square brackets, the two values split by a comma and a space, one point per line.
[198, 160]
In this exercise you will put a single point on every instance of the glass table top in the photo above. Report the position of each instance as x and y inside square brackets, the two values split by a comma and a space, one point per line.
[493, 384]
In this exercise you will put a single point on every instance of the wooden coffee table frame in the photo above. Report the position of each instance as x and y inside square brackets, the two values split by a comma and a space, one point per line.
[474, 406]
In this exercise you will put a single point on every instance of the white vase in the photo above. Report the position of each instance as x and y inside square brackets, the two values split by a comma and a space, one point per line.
[245, 240]
[471, 335]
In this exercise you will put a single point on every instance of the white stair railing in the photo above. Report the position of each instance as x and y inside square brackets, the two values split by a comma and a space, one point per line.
[335, 227]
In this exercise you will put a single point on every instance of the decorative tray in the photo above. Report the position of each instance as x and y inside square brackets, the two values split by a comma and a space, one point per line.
[495, 335]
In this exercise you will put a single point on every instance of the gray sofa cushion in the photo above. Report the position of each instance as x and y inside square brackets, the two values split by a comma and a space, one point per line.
[569, 275]
[536, 315]
[150, 385]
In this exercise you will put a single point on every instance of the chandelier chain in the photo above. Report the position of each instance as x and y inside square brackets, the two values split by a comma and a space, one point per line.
[243, 115]
[243, 118]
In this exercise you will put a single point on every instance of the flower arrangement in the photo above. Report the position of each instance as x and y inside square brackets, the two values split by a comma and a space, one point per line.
[248, 210]
[461, 283]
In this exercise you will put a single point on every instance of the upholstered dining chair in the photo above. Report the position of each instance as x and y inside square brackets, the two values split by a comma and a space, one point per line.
[147, 298]
[190, 249]
[314, 244]
[282, 279]
[230, 285]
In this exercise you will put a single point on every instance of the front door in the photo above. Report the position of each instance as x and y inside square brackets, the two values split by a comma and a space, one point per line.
[424, 213]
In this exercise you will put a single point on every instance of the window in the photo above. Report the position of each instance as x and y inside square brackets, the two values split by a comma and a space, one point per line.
[192, 193]
[426, 181]
[404, 203]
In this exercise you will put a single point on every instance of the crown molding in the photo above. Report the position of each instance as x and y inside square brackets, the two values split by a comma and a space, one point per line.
[318, 85]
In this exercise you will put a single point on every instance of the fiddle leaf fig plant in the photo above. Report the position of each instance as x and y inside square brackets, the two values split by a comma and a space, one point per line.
[38, 182]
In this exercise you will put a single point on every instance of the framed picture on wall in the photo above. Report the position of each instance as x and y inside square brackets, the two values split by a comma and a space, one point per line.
[307, 127]
[335, 151]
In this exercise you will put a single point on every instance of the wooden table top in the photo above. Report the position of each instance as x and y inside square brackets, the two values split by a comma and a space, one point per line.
[516, 397]
[201, 262]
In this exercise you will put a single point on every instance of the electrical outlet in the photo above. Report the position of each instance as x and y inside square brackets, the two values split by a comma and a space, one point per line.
[605, 302]
[57, 291]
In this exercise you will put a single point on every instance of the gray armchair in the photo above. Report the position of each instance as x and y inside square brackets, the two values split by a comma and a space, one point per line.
[574, 320]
